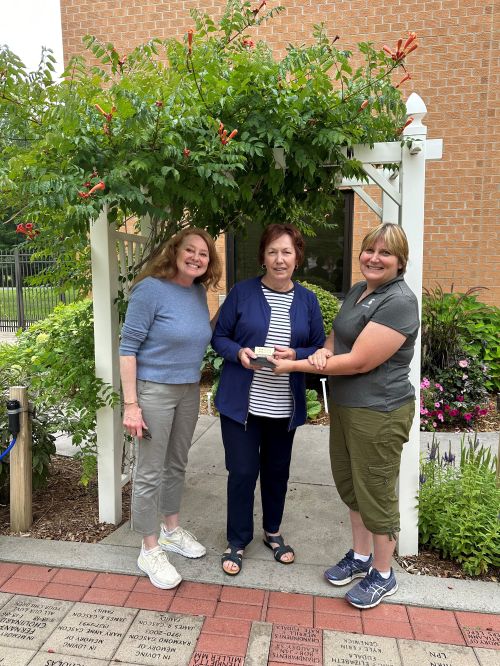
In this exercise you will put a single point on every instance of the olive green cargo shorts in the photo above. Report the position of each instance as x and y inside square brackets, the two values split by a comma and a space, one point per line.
[365, 455]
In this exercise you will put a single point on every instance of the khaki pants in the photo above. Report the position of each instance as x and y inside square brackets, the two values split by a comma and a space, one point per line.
[365, 455]
[170, 411]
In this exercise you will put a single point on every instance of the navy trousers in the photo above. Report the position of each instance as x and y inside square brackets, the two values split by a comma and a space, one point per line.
[264, 447]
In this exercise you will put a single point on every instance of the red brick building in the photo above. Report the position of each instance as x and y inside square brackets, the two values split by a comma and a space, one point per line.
[455, 71]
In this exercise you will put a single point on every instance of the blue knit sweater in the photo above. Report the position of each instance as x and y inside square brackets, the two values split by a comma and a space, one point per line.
[167, 329]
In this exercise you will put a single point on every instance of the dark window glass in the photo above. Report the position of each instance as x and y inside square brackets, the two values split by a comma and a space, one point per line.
[327, 259]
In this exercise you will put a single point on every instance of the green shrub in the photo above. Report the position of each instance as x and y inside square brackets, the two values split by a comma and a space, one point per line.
[54, 359]
[313, 405]
[455, 325]
[459, 506]
[328, 303]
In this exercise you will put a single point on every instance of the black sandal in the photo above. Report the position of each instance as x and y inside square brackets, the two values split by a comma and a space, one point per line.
[280, 550]
[234, 557]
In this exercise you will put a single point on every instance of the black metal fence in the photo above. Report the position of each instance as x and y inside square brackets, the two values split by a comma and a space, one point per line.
[21, 304]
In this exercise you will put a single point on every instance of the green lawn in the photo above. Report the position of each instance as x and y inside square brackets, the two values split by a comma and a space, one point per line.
[38, 302]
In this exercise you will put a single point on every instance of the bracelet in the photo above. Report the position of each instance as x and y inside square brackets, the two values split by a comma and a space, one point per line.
[134, 402]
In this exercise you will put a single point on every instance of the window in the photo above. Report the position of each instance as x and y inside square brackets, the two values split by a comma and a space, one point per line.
[327, 260]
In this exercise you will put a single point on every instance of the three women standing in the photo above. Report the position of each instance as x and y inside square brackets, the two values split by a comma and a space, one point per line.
[164, 338]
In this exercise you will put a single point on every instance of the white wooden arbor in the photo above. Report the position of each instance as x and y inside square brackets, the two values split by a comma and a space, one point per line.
[403, 195]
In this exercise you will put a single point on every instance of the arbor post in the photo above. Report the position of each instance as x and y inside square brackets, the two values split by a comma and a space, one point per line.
[412, 178]
[109, 430]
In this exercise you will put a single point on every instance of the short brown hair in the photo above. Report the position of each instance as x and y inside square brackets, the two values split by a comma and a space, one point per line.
[274, 231]
[163, 263]
[395, 239]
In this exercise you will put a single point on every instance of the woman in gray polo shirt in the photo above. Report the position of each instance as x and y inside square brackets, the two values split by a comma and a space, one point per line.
[164, 337]
[367, 356]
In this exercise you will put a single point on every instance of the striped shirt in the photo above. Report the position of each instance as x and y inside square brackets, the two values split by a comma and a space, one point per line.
[270, 394]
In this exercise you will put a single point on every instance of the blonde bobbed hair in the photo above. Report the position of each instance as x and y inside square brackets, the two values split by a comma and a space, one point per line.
[395, 241]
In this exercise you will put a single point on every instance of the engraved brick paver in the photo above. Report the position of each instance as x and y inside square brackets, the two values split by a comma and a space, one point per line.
[152, 634]
[65, 660]
[91, 631]
[415, 653]
[296, 645]
[345, 648]
[26, 622]
[201, 658]
[480, 629]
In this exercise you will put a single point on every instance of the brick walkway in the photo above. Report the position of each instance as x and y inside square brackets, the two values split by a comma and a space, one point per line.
[254, 627]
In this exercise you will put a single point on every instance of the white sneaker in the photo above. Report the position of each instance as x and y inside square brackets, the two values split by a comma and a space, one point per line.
[155, 564]
[181, 541]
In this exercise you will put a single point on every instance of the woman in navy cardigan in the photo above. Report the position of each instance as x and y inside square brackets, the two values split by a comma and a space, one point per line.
[259, 410]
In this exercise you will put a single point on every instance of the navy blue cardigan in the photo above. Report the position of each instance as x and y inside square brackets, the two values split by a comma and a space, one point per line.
[244, 322]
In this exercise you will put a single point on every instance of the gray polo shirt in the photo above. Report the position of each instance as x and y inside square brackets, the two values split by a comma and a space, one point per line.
[386, 387]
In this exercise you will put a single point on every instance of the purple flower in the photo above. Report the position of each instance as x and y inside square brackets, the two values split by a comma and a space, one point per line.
[464, 363]
[422, 478]
[449, 458]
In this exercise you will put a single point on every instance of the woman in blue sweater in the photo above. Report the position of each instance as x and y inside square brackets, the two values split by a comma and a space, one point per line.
[164, 337]
[260, 411]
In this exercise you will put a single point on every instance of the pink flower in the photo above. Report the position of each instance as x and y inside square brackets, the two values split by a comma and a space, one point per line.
[437, 404]
[438, 386]
[425, 383]
[424, 411]
[434, 424]
[440, 416]
[464, 377]
[454, 412]
[464, 363]
[460, 398]
[483, 412]
[468, 416]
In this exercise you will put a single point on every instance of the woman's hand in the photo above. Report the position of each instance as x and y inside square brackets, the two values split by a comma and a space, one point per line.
[246, 355]
[281, 366]
[285, 353]
[320, 357]
[133, 421]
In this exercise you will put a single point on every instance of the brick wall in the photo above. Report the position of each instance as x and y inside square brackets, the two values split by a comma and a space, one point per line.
[455, 71]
